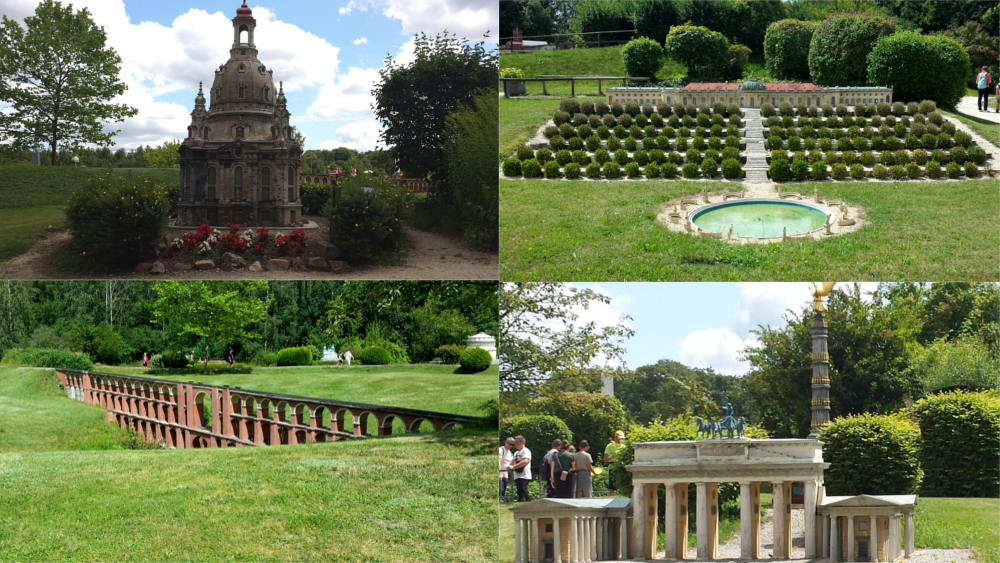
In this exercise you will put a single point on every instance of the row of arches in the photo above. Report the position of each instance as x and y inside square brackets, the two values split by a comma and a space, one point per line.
[188, 416]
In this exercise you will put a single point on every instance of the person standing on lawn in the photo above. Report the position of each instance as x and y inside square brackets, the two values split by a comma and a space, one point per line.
[145, 360]
[506, 456]
[983, 83]
[609, 451]
[348, 356]
[521, 465]
[563, 469]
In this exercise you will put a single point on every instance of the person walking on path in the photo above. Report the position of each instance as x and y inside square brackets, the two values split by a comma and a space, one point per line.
[348, 356]
[230, 357]
[563, 468]
[506, 456]
[584, 465]
[521, 465]
[983, 83]
[610, 450]
[145, 360]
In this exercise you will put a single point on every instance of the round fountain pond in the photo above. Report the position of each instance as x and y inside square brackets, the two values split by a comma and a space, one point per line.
[760, 218]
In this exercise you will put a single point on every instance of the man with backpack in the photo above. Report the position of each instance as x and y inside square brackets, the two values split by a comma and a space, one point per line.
[983, 83]
[546, 470]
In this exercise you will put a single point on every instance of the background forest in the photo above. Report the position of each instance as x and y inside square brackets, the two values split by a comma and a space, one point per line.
[113, 320]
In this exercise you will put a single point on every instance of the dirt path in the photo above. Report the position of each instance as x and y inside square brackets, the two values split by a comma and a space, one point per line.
[431, 257]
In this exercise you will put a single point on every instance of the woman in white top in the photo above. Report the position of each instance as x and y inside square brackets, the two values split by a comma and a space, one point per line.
[584, 471]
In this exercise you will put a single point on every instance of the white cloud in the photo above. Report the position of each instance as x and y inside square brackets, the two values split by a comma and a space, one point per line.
[466, 18]
[360, 40]
[346, 10]
[767, 303]
[716, 348]
[360, 136]
[351, 94]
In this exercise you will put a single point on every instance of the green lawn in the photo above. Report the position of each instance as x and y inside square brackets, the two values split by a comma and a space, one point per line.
[22, 227]
[948, 523]
[414, 498]
[988, 129]
[519, 119]
[426, 387]
[426, 497]
[33, 197]
[595, 61]
[36, 416]
[606, 231]
[28, 186]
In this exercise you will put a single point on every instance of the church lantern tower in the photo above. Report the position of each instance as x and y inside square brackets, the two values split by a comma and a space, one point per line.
[240, 161]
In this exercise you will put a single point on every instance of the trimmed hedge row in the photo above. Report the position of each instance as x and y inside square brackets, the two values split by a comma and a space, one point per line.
[710, 168]
[960, 453]
[46, 358]
[883, 109]
[813, 168]
[872, 454]
[573, 107]
[298, 356]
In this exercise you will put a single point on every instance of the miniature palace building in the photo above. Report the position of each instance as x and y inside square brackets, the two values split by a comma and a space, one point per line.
[752, 94]
[239, 163]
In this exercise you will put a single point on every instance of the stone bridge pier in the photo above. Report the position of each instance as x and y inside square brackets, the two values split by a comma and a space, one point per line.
[195, 415]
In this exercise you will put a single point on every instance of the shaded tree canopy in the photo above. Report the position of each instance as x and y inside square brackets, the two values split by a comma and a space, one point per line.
[58, 75]
[412, 101]
[540, 334]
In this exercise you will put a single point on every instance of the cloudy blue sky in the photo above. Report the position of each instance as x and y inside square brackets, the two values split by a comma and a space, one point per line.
[327, 53]
[704, 325]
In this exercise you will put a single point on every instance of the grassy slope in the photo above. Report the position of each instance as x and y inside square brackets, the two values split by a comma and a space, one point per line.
[33, 197]
[36, 416]
[970, 523]
[28, 186]
[427, 387]
[412, 498]
[519, 119]
[986, 128]
[426, 498]
[596, 61]
[578, 230]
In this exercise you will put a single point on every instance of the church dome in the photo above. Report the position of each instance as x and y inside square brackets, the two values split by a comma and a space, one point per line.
[752, 84]
[243, 11]
[243, 80]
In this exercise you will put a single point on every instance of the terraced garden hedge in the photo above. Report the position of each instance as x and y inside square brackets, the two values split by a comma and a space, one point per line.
[597, 140]
[883, 142]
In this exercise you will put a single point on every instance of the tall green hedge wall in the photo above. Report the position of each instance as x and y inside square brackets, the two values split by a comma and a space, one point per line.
[872, 454]
[786, 48]
[960, 454]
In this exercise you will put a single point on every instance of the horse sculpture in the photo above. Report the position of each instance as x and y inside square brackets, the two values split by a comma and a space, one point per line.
[730, 424]
[703, 427]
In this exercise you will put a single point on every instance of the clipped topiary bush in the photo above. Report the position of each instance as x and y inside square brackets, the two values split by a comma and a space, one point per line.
[652, 170]
[800, 169]
[690, 170]
[117, 218]
[642, 56]
[593, 171]
[375, 356]
[512, 167]
[780, 170]
[959, 453]
[475, 360]
[872, 454]
[572, 170]
[298, 356]
[786, 48]
[669, 170]
[612, 170]
[530, 168]
[920, 67]
[552, 170]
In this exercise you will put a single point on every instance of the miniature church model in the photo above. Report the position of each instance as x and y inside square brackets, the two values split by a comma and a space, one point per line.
[239, 163]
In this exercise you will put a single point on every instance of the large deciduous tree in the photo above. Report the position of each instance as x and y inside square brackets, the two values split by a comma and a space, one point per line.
[540, 334]
[703, 51]
[209, 310]
[838, 51]
[920, 67]
[58, 77]
[412, 101]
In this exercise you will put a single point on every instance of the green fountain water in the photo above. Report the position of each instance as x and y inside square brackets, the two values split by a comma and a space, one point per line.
[761, 219]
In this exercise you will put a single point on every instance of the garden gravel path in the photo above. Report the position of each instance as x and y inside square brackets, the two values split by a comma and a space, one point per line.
[992, 151]
[756, 166]
[431, 257]
[967, 105]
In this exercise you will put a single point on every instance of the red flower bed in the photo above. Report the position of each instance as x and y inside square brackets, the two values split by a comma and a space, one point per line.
[203, 232]
[263, 235]
[232, 243]
[283, 245]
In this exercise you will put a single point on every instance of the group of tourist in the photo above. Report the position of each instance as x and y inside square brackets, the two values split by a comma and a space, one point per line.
[566, 471]
[983, 84]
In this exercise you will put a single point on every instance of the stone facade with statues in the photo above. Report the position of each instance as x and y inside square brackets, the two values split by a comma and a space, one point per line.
[240, 161]
[752, 94]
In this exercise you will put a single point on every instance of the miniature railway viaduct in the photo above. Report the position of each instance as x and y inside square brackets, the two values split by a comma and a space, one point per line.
[195, 415]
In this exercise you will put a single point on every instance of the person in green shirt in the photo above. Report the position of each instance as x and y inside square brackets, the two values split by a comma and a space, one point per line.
[610, 450]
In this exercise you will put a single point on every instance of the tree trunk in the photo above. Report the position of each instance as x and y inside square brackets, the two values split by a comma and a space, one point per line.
[206, 355]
